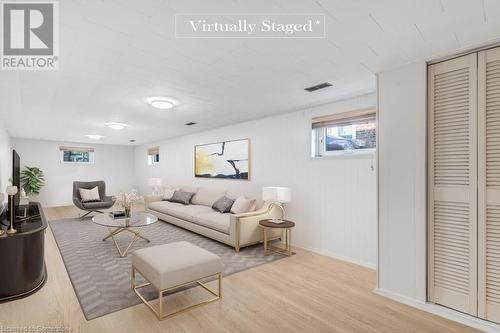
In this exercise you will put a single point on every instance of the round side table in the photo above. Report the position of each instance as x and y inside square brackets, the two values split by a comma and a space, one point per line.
[287, 226]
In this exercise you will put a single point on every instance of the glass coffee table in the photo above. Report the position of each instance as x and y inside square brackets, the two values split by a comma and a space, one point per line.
[131, 224]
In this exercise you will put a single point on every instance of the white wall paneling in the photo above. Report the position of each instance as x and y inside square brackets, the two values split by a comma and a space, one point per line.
[402, 181]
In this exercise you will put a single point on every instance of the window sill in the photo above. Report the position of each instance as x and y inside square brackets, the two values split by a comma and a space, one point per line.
[369, 153]
[77, 163]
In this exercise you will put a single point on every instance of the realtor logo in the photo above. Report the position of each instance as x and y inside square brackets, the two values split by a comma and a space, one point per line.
[29, 35]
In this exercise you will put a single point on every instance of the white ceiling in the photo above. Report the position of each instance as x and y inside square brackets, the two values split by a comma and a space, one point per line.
[114, 54]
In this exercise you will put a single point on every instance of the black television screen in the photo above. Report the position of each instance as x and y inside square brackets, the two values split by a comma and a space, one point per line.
[16, 178]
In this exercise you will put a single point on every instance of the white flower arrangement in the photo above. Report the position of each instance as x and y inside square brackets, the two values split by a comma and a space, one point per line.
[127, 200]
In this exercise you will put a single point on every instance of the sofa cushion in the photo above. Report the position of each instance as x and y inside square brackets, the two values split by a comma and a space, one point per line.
[91, 195]
[179, 210]
[169, 192]
[182, 197]
[207, 196]
[163, 206]
[257, 198]
[223, 205]
[97, 204]
[242, 205]
[214, 220]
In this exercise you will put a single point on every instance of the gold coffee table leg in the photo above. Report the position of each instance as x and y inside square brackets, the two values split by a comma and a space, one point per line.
[138, 235]
[115, 232]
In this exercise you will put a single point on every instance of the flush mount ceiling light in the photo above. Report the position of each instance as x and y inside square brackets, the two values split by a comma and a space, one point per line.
[94, 136]
[162, 103]
[116, 126]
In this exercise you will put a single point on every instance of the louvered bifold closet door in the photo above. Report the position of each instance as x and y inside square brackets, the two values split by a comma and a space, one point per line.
[489, 184]
[453, 183]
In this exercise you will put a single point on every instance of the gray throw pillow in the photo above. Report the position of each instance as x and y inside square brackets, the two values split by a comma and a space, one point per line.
[223, 205]
[182, 197]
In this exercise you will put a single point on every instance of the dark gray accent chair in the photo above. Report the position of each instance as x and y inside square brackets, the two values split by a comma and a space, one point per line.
[96, 206]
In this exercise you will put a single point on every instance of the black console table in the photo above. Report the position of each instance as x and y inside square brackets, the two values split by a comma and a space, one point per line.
[22, 264]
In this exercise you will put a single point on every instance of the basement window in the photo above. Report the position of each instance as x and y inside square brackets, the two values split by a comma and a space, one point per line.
[351, 132]
[76, 155]
[153, 155]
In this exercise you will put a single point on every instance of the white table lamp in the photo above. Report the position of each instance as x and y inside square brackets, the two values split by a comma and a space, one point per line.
[11, 190]
[277, 196]
[155, 183]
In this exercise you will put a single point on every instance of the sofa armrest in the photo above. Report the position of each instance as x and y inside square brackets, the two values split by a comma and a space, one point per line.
[151, 198]
[244, 228]
[262, 211]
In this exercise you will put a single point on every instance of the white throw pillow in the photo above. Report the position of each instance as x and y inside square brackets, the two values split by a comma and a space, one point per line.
[242, 205]
[168, 193]
[90, 195]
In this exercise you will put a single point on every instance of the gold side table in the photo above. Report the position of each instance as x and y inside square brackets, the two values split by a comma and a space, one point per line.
[287, 227]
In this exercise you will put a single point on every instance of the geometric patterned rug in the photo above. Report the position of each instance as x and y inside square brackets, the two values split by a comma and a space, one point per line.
[101, 278]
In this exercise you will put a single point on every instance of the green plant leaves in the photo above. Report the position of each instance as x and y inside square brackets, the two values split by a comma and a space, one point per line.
[32, 180]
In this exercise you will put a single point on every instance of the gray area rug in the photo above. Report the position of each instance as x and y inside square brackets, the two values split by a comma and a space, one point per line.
[101, 278]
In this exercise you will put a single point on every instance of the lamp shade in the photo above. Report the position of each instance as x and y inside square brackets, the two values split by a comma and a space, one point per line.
[276, 194]
[154, 182]
[11, 190]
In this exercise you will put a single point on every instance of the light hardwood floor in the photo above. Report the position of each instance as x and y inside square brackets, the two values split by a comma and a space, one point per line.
[305, 293]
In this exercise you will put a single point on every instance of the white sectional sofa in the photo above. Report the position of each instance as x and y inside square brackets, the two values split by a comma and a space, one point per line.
[237, 230]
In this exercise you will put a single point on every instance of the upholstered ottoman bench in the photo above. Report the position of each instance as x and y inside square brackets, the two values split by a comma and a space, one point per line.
[172, 266]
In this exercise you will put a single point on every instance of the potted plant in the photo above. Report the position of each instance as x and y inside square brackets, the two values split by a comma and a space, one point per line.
[32, 180]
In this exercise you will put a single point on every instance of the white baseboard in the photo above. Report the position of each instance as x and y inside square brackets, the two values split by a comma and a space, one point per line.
[441, 311]
[343, 258]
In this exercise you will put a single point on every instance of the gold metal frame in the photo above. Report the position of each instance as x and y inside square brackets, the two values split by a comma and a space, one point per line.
[268, 249]
[114, 232]
[159, 312]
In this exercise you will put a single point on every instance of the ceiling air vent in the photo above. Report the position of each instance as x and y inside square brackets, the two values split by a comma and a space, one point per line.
[190, 123]
[319, 86]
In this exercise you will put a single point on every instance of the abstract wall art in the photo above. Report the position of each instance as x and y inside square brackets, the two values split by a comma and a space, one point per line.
[227, 160]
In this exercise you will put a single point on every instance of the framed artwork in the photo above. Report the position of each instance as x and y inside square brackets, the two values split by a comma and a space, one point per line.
[227, 160]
